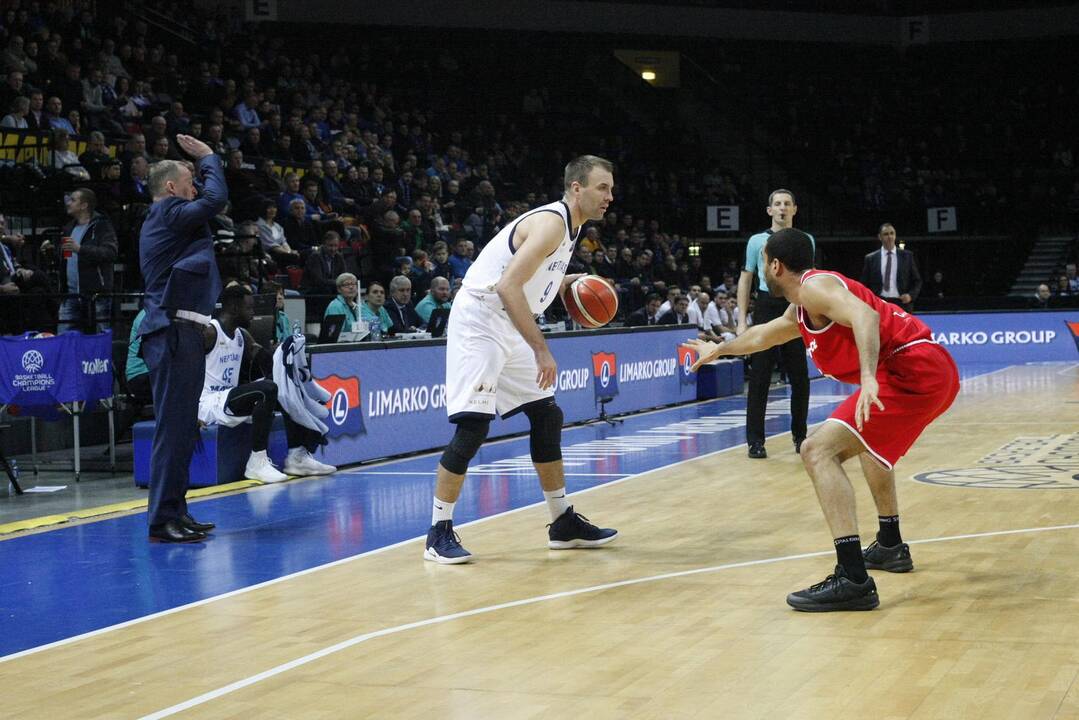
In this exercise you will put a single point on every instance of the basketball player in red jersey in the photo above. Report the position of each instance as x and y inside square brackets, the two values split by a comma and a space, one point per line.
[907, 380]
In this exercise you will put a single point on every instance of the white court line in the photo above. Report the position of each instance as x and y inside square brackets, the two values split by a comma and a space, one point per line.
[342, 561]
[440, 619]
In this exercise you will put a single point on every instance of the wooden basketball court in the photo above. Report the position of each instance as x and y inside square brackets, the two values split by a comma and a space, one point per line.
[683, 617]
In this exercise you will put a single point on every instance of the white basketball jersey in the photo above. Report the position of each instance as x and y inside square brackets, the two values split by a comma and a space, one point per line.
[542, 288]
[223, 362]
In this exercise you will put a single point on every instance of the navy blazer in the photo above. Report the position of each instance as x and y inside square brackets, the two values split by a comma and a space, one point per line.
[907, 278]
[176, 251]
[402, 318]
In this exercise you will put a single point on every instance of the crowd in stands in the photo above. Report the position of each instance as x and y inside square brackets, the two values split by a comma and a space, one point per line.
[1062, 287]
[380, 157]
[329, 176]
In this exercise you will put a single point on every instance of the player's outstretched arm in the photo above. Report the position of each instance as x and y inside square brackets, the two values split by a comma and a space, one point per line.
[758, 337]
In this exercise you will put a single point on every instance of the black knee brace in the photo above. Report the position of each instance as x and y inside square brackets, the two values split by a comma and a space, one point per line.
[545, 438]
[466, 442]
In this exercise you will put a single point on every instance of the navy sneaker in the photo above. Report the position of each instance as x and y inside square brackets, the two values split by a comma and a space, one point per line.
[444, 546]
[836, 592]
[572, 530]
[890, 559]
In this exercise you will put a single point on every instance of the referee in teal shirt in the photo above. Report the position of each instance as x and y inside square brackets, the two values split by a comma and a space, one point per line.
[782, 209]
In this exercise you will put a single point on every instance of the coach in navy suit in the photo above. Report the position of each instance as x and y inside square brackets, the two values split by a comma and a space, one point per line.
[182, 284]
[892, 273]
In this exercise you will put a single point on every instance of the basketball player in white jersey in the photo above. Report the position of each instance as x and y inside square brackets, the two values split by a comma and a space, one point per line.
[229, 347]
[497, 360]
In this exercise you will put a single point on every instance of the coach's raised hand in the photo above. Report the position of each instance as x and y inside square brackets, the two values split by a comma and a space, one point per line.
[193, 146]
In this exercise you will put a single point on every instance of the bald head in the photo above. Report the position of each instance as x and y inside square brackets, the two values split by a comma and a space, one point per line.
[440, 289]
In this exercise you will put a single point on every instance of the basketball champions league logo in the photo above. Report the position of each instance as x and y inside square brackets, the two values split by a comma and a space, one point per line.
[605, 375]
[32, 361]
[1048, 462]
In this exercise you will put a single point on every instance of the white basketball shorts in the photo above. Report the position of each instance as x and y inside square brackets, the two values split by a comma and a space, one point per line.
[212, 410]
[489, 366]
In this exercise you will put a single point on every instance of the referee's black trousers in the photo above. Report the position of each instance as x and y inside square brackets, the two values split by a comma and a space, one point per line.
[768, 308]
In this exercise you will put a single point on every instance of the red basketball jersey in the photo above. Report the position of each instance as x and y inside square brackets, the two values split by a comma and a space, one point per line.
[833, 348]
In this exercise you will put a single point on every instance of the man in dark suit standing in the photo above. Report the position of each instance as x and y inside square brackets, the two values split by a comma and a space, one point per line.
[891, 272]
[321, 270]
[323, 266]
[182, 284]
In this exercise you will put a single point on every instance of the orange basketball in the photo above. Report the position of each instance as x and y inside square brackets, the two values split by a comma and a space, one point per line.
[591, 301]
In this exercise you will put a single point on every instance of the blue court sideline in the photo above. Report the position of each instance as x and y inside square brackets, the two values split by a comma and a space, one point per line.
[73, 580]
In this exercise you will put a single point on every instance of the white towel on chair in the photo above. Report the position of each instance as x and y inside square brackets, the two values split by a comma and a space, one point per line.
[301, 397]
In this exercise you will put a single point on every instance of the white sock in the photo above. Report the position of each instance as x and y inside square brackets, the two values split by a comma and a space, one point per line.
[556, 502]
[441, 510]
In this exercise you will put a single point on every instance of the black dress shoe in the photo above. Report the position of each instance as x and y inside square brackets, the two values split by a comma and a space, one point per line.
[192, 524]
[174, 531]
[798, 445]
[757, 451]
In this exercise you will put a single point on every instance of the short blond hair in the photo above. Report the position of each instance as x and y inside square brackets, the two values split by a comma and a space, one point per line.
[578, 169]
[161, 172]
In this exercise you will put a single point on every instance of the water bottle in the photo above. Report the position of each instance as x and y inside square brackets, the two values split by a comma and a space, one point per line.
[376, 331]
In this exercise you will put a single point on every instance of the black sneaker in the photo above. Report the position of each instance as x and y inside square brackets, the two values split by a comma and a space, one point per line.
[798, 445]
[757, 451]
[572, 530]
[836, 592]
[890, 559]
[444, 546]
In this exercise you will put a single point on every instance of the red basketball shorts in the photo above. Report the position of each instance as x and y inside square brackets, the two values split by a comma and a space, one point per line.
[917, 384]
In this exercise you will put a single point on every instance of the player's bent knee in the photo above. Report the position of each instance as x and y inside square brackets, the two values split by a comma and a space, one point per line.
[545, 437]
[466, 442]
[814, 452]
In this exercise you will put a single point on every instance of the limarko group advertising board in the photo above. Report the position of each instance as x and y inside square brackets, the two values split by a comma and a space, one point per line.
[391, 400]
[1015, 337]
[388, 400]
[1006, 337]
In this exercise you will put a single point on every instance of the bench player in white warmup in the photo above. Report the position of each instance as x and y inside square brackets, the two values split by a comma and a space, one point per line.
[498, 361]
[229, 347]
